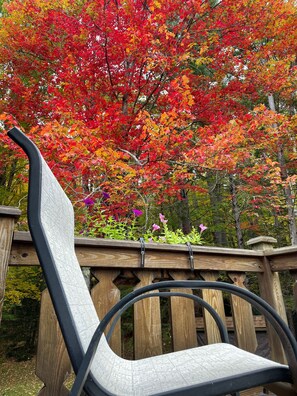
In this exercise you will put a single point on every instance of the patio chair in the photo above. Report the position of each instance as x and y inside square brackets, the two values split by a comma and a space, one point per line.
[209, 370]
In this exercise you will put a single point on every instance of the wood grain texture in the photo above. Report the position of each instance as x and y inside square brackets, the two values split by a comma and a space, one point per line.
[52, 361]
[10, 211]
[7, 222]
[215, 299]
[147, 321]
[123, 255]
[183, 323]
[259, 323]
[285, 262]
[105, 295]
[243, 317]
[270, 291]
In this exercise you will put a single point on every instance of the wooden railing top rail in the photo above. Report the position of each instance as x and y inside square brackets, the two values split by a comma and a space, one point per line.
[283, 259]
[24, 236]
[98, 252]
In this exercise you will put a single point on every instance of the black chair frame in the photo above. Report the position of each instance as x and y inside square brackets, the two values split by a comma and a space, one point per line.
[82, 360]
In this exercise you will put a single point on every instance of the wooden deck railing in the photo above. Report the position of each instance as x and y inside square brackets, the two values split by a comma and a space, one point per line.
[117, 266]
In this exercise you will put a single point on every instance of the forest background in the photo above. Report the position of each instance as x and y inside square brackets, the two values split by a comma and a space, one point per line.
[182, 107]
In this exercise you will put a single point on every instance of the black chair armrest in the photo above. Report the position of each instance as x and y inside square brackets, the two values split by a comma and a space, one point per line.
[221, 326]
[288, 341]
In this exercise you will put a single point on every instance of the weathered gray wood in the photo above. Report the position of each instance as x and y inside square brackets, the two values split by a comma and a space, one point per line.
[262, 242]
[259, 323]
[183, 324]
[52, 361]
[10, 211]
[294, 276]
[270, 290]
[8, 216]
[105, 295]
[243, 317]
[120, 254]
[147, 321]
[283, 259]
[215, 299]
[94, 252]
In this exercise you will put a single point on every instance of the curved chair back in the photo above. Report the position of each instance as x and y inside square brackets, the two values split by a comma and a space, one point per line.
[209, 370]
[51, 223]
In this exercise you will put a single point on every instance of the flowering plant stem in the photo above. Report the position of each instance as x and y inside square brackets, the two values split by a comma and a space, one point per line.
[109, 227]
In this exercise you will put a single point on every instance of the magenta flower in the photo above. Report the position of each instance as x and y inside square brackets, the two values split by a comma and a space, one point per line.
[155, 227]
[202, 227]
[88, 201]
[105, 195]
[137, 212]
[162, 218]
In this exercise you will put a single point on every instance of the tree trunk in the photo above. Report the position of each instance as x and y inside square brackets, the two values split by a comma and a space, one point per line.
[184, 212]
[215, 197]
[236, 212]
[288, 193]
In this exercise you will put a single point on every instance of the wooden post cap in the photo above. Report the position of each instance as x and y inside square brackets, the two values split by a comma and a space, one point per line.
[262, 243]
[9, 211]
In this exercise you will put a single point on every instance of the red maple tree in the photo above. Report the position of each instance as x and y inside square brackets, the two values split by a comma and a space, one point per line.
[141, 98]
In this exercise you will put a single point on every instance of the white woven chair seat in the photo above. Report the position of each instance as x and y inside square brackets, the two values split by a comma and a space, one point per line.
[175, 370]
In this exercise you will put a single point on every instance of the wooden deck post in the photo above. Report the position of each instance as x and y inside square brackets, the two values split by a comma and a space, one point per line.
[52, 361]
[8, 216]
[270, 290]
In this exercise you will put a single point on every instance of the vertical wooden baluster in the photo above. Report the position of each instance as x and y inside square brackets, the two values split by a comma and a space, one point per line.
[183, 324]
[52, 361]
[215, 299]
[147, 320]
[243, 316]
[294, 276]
[270, 290]
[105, 295]
[8, 216]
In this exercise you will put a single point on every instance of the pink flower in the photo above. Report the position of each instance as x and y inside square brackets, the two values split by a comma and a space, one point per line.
[202, 227]
[155, 227]
[162, 218]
